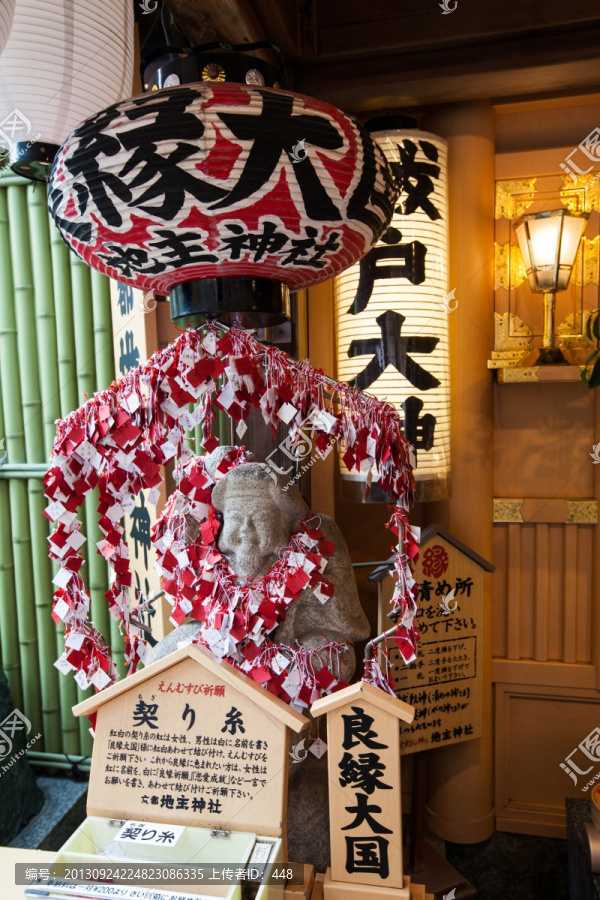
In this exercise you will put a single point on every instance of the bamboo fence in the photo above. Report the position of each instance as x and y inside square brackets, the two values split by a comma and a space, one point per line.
[55, 350]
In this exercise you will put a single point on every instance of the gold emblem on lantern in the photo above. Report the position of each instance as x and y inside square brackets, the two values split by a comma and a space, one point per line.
[213, 72]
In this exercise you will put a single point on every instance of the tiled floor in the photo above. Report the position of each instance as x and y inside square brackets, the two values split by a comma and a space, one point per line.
[515, 866]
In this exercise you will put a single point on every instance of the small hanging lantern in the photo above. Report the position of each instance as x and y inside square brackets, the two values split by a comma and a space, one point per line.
[63, 61]
[225, 196]
[7, 11]
[392, 308]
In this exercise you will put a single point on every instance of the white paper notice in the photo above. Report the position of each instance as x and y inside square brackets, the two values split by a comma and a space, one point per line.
[149, 833]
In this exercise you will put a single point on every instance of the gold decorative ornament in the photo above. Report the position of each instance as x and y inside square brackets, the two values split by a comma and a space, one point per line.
[511, 332]
[512, 341]
[585, 270]
[572, 333]
[582, 512]
[514, 197]
[509, 268]
[508, 510]
[213, 72]
[584, 195]
[518, 374]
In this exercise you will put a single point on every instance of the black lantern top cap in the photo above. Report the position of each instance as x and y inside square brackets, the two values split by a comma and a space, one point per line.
[214, 66]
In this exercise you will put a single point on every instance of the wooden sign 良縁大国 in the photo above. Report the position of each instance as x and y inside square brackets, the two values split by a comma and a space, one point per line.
[365, 798]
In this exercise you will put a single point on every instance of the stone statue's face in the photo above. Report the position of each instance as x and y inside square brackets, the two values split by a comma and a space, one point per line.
[254, 529]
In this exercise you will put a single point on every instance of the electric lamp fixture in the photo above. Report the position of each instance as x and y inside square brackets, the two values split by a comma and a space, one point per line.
[549, 242]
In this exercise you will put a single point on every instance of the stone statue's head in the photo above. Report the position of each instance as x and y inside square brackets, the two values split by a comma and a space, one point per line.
[258, 517]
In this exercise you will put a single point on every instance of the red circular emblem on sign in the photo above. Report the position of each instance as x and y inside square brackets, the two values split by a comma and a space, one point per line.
[213, 180]
[435, 561]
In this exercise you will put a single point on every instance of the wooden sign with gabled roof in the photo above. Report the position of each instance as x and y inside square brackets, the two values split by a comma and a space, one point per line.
[190, 740]
[445, 681]
[365, 796]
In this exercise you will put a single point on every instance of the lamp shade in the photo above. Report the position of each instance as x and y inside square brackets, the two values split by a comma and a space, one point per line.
[63, 61]
[219, 180]
[7, 11]
[391, 314]
[549, 241]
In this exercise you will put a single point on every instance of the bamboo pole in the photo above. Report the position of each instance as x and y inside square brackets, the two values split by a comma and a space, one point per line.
[105, 374]
[24, 595]
[65, 333]
[14, 446]
[81, 724]
[83, 325]
[18, 221]
[103, 342]
[41, 261]
[39, 236]
[67, 375]
[29, 341]
[9, 638]
[42, 579]
[87, 382]
[25, 371]
[190, 436]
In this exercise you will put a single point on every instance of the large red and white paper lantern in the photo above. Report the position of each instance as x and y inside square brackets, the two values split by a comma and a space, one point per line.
[62, 62]
[392, 309]
[183, 188]
[7, 11]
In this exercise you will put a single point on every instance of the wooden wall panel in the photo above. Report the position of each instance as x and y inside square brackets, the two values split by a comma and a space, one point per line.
[526, 535]
[500, 592]
[536, 728]
[513, 600]
[556, 596]
[569, 589]
[543, 592]
[583, 597]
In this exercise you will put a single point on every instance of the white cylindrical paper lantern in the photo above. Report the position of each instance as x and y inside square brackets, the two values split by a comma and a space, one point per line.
[64, 60]
[7, 10]
[392, 309]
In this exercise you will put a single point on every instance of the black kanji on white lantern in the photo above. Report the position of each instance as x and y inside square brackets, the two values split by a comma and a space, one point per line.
[225, 196]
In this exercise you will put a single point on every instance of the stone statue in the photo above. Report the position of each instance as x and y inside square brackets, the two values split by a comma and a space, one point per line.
[260, 513]
[259, 517]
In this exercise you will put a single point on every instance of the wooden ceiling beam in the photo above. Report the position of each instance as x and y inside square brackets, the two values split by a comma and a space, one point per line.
[279, 21]
[516, 68]
[231, 21]
[352, 27]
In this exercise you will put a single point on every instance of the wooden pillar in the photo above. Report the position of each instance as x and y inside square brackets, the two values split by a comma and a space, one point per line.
[321, 342]
[460, 800]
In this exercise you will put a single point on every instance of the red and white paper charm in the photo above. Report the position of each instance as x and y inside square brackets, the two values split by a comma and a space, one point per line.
[119, 440]
[236, 615]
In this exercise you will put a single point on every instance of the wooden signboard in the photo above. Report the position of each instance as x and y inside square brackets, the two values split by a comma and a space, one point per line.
[445, 681]
[135, 340]
[190, 740]
[365, 798]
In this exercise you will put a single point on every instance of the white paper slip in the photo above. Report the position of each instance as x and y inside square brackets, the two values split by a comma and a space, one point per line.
[55, 889]
[261, 853]
[149, 833]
